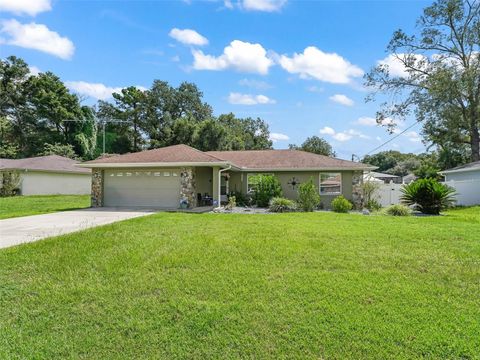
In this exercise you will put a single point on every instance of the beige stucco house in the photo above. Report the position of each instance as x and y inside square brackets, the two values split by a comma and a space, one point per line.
[162, 178]
[48, 175]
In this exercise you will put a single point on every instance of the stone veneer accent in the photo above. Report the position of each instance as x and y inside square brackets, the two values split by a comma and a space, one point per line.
[188, 186]
[357, 192]
[97, 188]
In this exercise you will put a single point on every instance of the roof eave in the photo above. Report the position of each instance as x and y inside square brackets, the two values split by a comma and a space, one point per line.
[112, 165]
[310, 169]
[459, 171]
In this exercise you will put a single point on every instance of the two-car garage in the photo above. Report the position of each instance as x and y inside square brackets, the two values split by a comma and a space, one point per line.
[155, 188]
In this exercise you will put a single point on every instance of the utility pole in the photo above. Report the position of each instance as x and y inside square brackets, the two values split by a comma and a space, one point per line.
[104, 122]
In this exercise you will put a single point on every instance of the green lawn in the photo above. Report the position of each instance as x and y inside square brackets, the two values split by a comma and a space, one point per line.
[40, 204]
[193, 286]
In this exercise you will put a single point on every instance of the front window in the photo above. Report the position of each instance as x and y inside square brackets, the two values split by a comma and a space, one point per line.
[252, 181]
[330, 183]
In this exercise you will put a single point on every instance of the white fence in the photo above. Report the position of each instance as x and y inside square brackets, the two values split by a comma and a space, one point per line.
[467, 192]
[389, 194]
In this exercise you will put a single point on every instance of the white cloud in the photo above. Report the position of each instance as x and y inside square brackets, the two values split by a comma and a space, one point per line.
[25, 7]
[248, 99]
[314, 63]
[228, 4]
[38, 37]
[256, 84]
[34, 70]
[370, 121]
[175, 58]
[395, 65]
[97, 91]
[327, 131]
[366, 121]
[239, 55]
[316, 89]
[342, 99]
[263, 5]
[344, 135]
[188, 37]
[274, 137]
[413, 136]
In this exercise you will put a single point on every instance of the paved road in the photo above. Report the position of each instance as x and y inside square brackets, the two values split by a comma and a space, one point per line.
[32, 228]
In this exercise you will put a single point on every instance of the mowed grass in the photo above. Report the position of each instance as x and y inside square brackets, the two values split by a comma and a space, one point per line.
[191, 286]
[16, 206]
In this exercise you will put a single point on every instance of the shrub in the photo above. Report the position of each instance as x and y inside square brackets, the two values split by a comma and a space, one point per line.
[428, 196]
[398, 210]
[341, 205]
[373, 205]
[369, 190]
[9, 183]
[280, 205]
[308, 197]
[266, 188]
[240, 198]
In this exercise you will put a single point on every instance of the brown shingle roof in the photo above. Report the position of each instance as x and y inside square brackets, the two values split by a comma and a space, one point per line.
[169, 154]
[52, 163]
[285, 159]
[247, 159]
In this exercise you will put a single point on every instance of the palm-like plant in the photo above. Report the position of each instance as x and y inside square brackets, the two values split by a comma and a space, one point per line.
[428, 195]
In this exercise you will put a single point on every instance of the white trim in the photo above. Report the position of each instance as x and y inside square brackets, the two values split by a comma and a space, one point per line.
[459, 171]
[320, 184]
[47, 171]
[148, 165]
[307, 169]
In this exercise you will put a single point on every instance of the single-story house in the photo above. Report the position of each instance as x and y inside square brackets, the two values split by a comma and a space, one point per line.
[162, 178]
[470, 171]
[49, 175]
[465, 179]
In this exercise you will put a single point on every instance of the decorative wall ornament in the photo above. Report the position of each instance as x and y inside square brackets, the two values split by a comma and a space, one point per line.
[293, 182]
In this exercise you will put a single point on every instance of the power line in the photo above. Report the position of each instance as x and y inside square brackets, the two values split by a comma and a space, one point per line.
[393, 138]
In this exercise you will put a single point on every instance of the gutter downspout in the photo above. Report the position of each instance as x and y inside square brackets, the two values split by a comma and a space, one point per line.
[220, 184]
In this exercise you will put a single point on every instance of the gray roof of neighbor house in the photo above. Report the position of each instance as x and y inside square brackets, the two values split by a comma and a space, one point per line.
[382, 175]
[49, 163]
[244, 159]
[467, 167]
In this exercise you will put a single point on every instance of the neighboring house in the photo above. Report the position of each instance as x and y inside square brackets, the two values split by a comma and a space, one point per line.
[469, 171]
[162, 178]
[49, 175]
[382, 177]
[465, 179]
[407, 179]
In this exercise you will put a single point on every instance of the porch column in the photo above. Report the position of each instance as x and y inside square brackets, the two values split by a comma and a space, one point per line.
[97, 188]
[216, 186]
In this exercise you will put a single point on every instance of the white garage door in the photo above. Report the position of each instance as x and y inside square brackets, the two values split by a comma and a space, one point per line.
[156, 188]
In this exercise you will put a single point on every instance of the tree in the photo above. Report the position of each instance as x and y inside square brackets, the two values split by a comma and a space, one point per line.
[59, 149]
[15, 106]
[439, 76]
[211, 136]
[316, 145]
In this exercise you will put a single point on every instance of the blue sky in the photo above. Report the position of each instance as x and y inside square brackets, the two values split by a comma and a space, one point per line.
[296, 64]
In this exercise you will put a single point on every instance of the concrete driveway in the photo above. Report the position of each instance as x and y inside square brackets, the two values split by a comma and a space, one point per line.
[32, 228]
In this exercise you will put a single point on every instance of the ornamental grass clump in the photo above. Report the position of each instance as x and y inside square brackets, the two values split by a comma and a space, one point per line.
[428, 195]
[398, 210]
[281, 205]
[341, 205]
